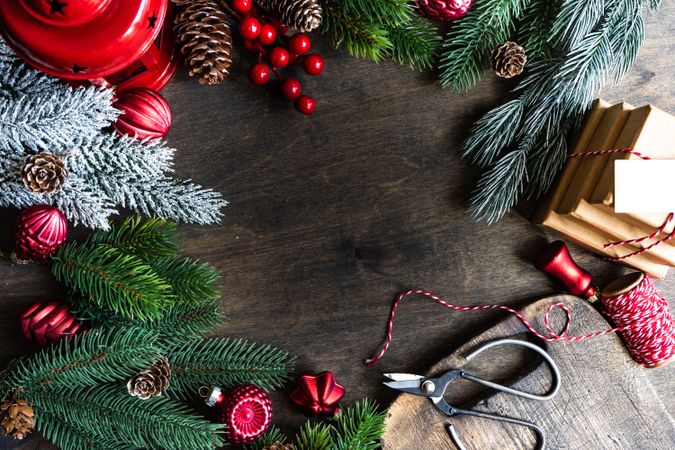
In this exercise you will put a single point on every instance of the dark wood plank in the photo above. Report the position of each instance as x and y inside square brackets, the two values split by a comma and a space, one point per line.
[332, 216]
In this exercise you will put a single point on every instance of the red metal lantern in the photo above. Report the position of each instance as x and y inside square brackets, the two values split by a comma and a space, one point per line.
[124, 43]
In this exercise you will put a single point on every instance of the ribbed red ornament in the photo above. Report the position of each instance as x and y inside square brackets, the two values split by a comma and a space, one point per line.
[555, 260]
[444, 10]
[247, 412]
[145, 114]
[40, 231]
[318, 394]
[46, 323]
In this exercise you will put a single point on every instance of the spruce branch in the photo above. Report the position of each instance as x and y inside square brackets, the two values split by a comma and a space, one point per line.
[318, 436]
[415, 43]
[146, 239]
[535, 29]
[360, 427]
[227, 363]
[71, 437]
[192, 282]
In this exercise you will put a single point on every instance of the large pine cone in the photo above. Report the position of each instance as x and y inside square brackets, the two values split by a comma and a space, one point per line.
[508, 59]
[151, 382]
[205, 39]
[18, 419]
[301, 15]
[279, 446]
[43, 172]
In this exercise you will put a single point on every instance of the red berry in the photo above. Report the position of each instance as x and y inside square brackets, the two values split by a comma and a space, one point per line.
[267, 34]
[259, 74]
[313, 64]
[279, 57]
[242, 6]
[299, 44]
[249, 27]
[305, 104]
[291, 88]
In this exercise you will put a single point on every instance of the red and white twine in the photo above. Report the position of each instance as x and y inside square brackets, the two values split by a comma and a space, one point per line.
[641, 316]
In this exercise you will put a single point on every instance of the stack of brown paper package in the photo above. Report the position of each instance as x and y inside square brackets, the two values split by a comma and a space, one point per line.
[581, 204]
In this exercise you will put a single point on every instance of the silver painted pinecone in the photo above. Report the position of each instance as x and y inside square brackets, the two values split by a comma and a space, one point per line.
[43, 172]
[508, 60]
[150, 382]
[300, 15]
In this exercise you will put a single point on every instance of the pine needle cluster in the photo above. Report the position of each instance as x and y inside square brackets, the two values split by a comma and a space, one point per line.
[106, 171]
[359, 427]
[379, 29]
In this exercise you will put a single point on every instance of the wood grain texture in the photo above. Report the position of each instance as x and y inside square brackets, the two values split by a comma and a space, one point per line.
[331, 216]
[602, 390]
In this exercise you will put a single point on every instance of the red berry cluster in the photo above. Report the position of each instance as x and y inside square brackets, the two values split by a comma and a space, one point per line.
[259, 35]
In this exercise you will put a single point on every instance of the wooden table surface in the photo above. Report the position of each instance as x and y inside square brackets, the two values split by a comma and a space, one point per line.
[331, 216]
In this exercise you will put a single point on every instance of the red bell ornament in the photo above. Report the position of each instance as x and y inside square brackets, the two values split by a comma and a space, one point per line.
[318, 394]
[145, 114]
[47, 323]
[555, 260]
[126, 44]
[444, 10]
[40, 232]
[246, 410]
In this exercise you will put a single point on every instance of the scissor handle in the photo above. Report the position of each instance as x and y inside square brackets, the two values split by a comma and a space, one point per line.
[554, 370]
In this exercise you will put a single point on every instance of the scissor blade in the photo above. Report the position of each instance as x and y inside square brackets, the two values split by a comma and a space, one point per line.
[403, 376]
[411, 386]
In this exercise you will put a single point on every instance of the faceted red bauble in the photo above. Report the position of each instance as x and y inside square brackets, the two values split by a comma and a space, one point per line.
[247, 412]
[279, 57]
[242, 6]
[290, 88]
[305, 104]
[259, 74]
[299, 44]
[40, 232]
[267, 34]
[318, 394]
[313, 64]
[249, 27]
[145, 114]
[46, 323]
[444, 10]
[555, 260]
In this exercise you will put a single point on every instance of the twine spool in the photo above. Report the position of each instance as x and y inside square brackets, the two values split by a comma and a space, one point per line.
[640, 315]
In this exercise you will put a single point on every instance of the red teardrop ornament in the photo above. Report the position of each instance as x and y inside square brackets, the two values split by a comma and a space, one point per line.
[318, 394]
[247, 412]
[555, 260]
[46, 323]
[40, 231]
[145, 114]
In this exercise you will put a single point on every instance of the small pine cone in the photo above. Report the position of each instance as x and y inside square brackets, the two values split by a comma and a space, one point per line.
[301, 15]
[151, 382]
[18, 418]
[508, 59]
[205, 39]
[43, 172]
[279, 446]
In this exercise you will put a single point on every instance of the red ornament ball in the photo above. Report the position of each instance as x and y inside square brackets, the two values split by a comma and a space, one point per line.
[40, 231]
[259, 74]
[249, 27]
[279, 57]
[299, 44]
[290, 88]
[313, 64]
[305, 104]
[47, 323]
[268, 34]
[444, 10]
[145, 114]
[318, 394]
[247, 412]
[242, 6]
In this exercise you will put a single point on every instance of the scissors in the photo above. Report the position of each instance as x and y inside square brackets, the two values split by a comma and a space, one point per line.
[434, 389]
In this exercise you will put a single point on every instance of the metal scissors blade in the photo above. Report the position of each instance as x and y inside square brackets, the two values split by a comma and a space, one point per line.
[404, 382]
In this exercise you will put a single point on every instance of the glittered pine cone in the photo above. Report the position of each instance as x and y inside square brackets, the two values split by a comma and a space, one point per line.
[43, 172]
[151, 382]
[508, 60]
[18, 418]
[279, 446]
[205, 39]
[300, 15]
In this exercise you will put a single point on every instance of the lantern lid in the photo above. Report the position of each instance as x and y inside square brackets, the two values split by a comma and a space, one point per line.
[81, 39]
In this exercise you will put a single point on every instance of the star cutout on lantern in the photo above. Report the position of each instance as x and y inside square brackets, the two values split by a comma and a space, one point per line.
[78, 69]
[151, 20]
[56, 7]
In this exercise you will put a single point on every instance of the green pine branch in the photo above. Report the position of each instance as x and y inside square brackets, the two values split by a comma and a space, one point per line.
[192, 282]
[360, 427]
[100, 355]
[535, 29]
[226, 363]
[107, 413]
[317, 436]
[151, 238]
[415, 43]
[272, 435]
[71, 437]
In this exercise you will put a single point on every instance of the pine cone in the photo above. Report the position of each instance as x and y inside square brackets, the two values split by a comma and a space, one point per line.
[279, 446]
[508, 59]
[151, 382]
[204, 37]
[43, 172]
[301, 15]
[18, 418]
